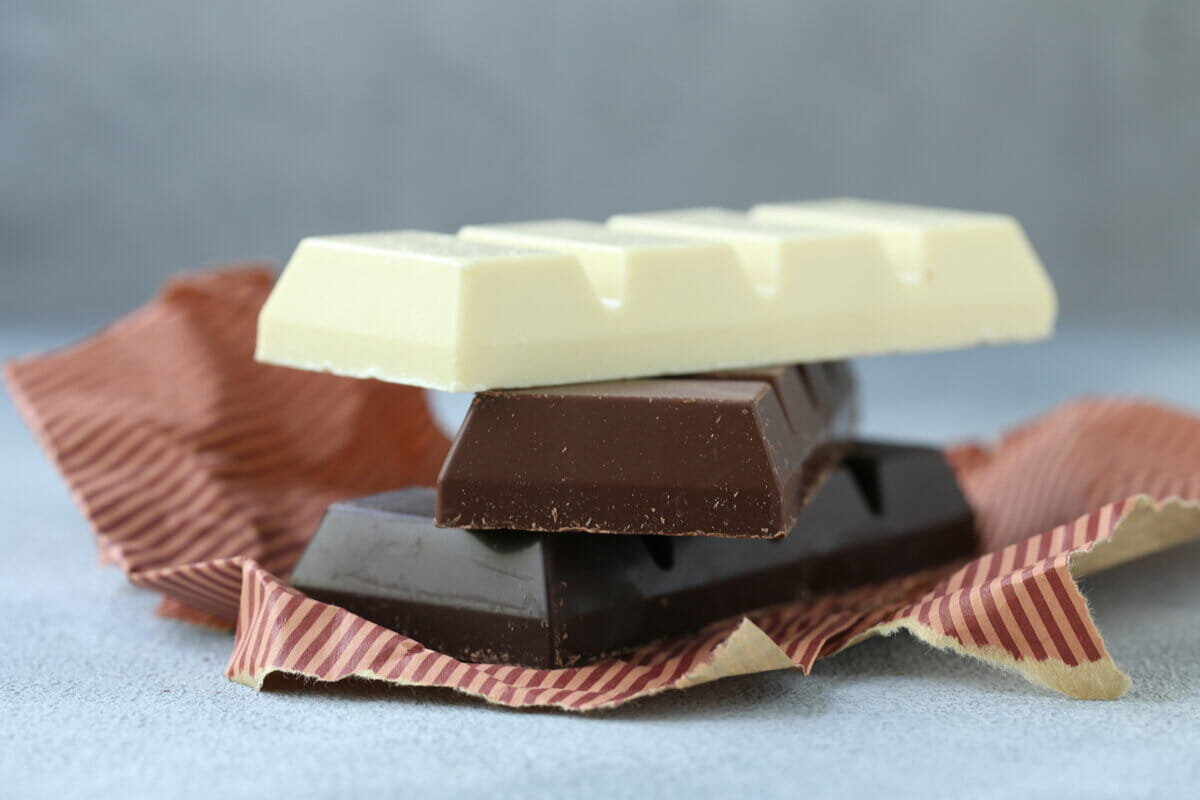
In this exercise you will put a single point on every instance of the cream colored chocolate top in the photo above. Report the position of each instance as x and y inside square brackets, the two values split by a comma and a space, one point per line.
[564, 301]
[768, 251]
[614, 261]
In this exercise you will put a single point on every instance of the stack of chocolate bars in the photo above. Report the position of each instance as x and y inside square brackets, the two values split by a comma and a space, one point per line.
[662, 434]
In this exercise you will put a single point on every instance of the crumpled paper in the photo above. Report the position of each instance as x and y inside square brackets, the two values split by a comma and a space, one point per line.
[204, 473]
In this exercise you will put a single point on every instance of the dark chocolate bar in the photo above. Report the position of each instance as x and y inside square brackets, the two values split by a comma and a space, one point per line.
[555, 599]
[734, 453]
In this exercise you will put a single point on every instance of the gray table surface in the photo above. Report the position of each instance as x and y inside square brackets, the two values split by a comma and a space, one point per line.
[99, 696]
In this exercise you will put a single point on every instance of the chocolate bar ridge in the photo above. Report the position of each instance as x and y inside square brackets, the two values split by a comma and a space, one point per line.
[556, 599]
[735, 453]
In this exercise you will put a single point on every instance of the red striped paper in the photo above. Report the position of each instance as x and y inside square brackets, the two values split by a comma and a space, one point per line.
[204, 473]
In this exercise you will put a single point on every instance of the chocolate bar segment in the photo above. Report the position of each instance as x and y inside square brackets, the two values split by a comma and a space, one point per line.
[723, 454]
[560, 301]
[556, 599]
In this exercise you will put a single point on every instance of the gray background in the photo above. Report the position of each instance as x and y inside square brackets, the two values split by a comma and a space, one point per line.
[137, 139]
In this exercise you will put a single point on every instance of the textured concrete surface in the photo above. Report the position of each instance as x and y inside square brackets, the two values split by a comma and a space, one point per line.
[98, 697]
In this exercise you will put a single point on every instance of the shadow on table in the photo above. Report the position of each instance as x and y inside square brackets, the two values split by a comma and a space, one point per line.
[1148, 611]
[758, 695]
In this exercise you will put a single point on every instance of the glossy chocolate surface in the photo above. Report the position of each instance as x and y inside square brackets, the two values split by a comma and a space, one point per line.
[555, 599]
[735, 453]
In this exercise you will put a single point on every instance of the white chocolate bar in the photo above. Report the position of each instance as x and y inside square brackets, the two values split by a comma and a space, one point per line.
[561, 301]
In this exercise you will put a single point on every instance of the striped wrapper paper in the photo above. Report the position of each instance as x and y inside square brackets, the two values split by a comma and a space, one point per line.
[204, 473]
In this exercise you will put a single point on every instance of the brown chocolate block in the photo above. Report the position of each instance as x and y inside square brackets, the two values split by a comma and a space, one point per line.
[723, 454]
[556, 599]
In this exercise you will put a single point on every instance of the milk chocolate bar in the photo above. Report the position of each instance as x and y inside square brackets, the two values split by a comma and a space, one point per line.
[560, 301]
[723, 454]
[555, 599]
